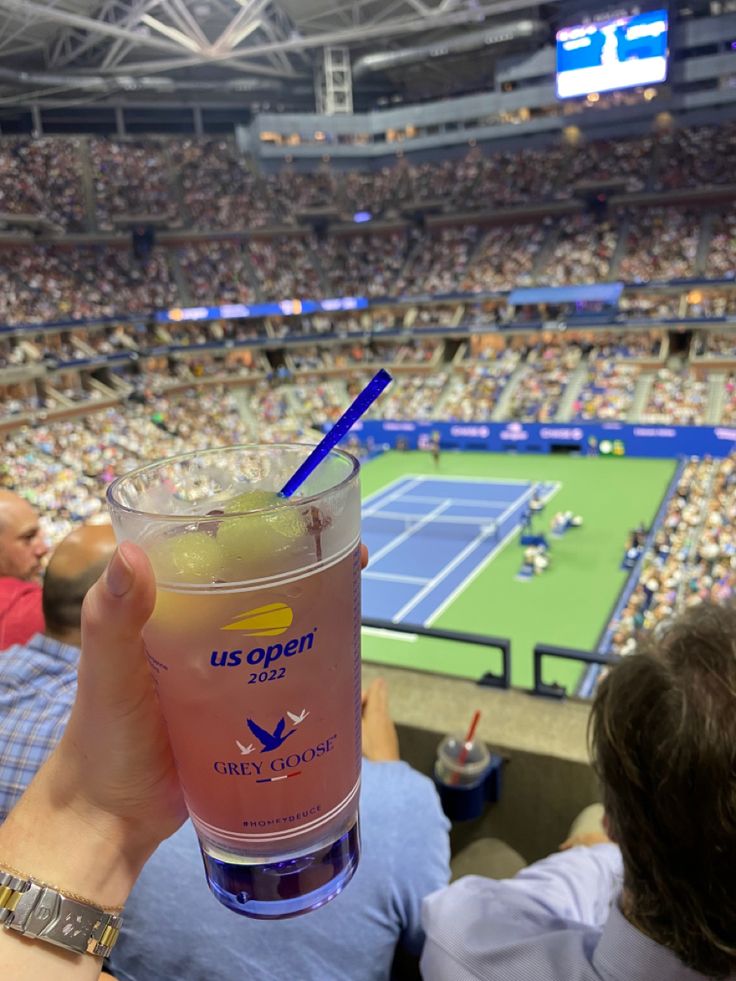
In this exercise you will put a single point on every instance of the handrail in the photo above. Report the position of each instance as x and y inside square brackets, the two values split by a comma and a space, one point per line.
[569, 654]
[489, 679]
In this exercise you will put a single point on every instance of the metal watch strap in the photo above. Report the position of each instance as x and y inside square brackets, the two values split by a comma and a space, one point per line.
[40, 911]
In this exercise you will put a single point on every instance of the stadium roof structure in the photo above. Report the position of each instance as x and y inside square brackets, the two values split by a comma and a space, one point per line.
[78, 52]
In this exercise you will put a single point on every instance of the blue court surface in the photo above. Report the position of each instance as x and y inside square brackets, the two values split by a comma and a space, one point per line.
[428, 537]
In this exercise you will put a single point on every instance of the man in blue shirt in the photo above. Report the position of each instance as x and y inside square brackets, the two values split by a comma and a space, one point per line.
[405, 856]
[38, 679]
[405, 843]
[659, 905]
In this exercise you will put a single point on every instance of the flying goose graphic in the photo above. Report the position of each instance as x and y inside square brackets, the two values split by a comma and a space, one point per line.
[270, 740]
[245, 749]
[296, 719]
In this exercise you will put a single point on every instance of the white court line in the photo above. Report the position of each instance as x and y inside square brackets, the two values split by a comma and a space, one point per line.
[394, 496]
[460, 557]
[406, 479]
[412, 529]
[389, 635]
[463, 519]
[450, 478]
[446, 570]
[471, 502]
[472, 576]
[395, 577]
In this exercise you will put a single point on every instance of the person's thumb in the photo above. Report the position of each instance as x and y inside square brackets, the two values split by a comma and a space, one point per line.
[114, 612]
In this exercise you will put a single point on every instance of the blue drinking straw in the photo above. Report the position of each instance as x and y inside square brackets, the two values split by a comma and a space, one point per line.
[351, 415]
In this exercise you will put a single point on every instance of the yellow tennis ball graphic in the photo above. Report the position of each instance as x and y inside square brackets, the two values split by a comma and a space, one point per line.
[265, 621]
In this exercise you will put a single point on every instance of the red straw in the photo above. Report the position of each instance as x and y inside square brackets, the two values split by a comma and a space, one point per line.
[466, 746]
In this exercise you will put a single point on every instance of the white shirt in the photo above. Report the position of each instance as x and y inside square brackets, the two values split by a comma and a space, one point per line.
[557, 920]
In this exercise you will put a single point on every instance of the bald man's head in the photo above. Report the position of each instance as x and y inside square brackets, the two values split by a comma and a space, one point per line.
[74, 567]
[22, 545]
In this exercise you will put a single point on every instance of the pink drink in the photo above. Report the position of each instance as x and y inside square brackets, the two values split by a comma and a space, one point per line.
[254, 646]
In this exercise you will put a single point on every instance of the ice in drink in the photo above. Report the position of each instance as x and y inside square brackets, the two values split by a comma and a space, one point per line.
[254, 648]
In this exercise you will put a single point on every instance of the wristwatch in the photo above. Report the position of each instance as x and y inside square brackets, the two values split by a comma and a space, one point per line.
[42, 912]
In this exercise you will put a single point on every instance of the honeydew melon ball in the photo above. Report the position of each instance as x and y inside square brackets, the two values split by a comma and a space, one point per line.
[248, 540]
[192, 557]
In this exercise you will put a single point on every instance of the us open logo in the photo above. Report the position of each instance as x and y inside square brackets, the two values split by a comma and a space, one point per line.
[271, 620]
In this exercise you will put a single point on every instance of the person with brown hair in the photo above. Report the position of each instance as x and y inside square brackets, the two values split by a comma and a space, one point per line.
[664, 745]
[660, 903]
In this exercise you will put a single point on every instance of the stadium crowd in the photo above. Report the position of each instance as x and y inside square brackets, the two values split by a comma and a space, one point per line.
[42, 178]
[676, 397]
[504, 258]
[695, 157]
[64, 467]
[711, 303]
[240, 201]
[217, 272]
[612, 373]
[548, 367]
[437, 263]
[473, 394]
[692, 557]
[662, 244]
[721, 263]
[209, 185]
[47, 282]
[582, 252]
[627, 162]
[556, 375]
[363, 265]
[131, 179]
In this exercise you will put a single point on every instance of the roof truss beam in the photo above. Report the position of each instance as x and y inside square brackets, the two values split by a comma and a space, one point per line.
[172, 64]
[407, 24]
[243, 24]
[187, 22]
[97, 27]
[73, 42]
[352, 9]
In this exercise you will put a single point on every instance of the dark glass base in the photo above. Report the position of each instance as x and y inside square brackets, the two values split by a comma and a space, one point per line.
[289, 888]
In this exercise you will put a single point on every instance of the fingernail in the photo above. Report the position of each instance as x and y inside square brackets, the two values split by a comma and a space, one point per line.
[119, 575]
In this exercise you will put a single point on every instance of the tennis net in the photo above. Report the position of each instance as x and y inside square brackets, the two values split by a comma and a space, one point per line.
[395, 523]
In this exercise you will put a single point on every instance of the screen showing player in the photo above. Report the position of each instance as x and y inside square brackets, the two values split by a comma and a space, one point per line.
[612, 54]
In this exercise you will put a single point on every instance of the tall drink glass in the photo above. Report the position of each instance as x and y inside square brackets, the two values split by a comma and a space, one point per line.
[254, 647]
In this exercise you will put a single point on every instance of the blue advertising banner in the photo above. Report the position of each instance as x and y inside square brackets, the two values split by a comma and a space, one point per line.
[608, 293]
[283, 308]
[594, 439]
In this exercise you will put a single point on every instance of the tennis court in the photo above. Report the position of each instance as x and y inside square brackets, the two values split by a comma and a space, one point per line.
[421, 578]
[428, 538]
